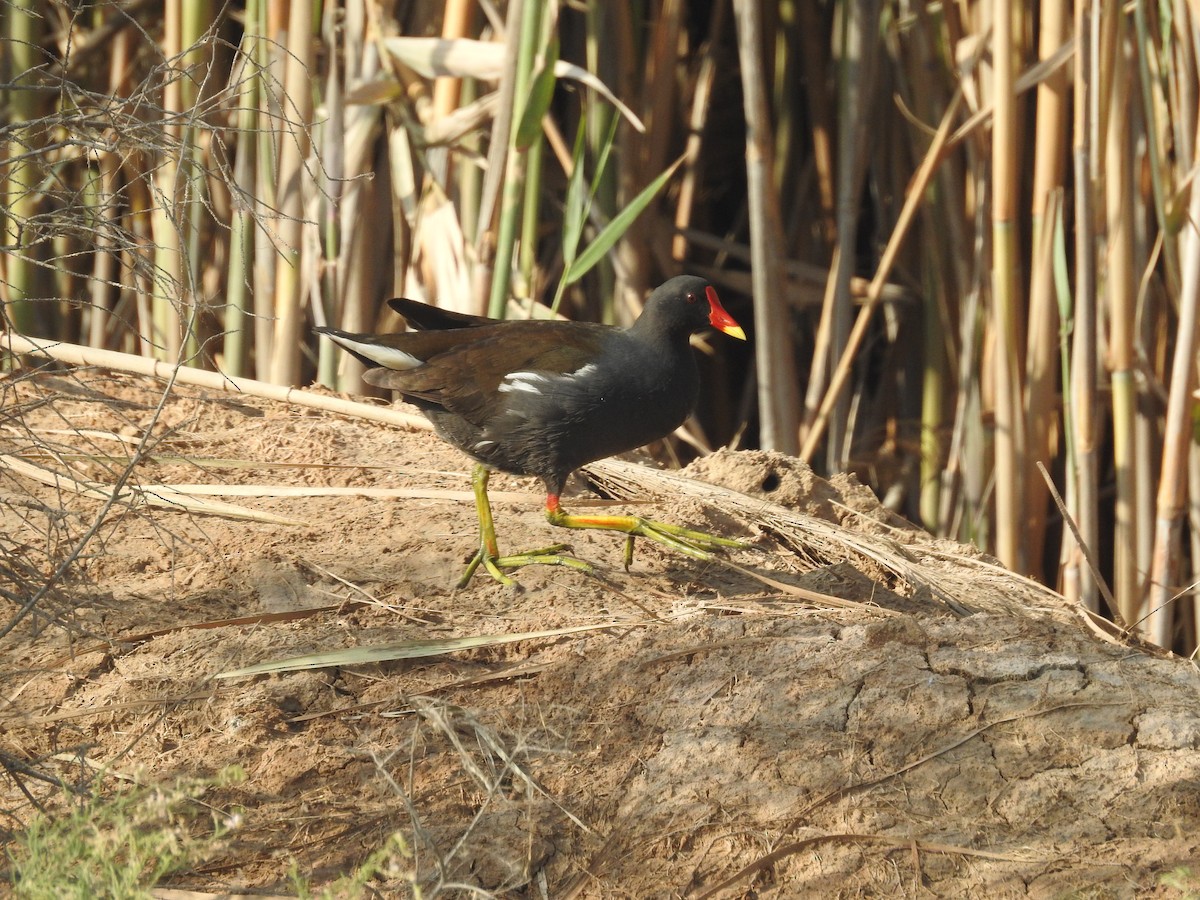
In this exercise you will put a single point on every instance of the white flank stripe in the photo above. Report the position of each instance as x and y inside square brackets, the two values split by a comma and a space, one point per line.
[522, 381]
[584, 371]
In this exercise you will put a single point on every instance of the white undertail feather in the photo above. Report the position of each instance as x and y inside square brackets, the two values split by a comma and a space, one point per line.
[389, 357]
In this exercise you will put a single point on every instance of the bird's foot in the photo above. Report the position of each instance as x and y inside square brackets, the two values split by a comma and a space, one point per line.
[696, 544]
[494, 564]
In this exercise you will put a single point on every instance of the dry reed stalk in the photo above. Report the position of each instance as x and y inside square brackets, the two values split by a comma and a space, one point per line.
[1121, 288]
[165, 214]
[777, 397]
[1007, 327]
[1083, 499]
[645, 240]
[293, 151]
[856, 41]
[363, 273]
[497, 162]
[269, 66]
[1166, 566]
[456, 23]
[238, 308]
[1042, 363]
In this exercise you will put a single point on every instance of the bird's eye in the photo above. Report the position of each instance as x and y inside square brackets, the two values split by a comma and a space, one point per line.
[691, 297]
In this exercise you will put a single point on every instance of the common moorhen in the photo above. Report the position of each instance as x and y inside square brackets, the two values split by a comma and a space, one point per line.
[543, 398]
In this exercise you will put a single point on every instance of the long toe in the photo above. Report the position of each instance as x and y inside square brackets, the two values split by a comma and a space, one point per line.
[495, 565]
[697, 544]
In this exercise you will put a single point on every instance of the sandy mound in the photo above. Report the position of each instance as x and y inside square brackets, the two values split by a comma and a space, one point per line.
[947, 729]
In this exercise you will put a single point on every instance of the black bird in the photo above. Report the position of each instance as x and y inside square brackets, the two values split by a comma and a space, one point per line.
[544, 398]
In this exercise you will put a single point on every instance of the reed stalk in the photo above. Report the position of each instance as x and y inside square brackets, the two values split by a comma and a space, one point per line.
[1042, 362]
[1006, 324]
[268, 64]
[777, 396]
[1166, 564]
[19, 165]
[1121, 293]
[515, 161]
[285, 356]
[105, 257]
[166, 219]
[238, 283]
[1084, 497]
[486, 253]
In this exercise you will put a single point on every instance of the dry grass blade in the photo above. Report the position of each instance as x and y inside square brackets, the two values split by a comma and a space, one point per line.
[358, 656]
[133, 494]
[285, 490]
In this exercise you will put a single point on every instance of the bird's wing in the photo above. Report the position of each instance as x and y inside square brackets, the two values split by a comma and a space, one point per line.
[479, 377]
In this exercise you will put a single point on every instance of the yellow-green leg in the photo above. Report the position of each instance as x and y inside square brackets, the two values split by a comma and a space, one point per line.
[488, 554]
[696, 544]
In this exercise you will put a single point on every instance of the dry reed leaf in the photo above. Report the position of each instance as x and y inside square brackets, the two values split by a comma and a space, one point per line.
[286, 490]
[135, 493]
[357, 656]
[466, 58]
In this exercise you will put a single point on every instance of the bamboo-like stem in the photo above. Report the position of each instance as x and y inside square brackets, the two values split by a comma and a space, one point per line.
[456, 22]
[855, 80]
[194, 84]
[1006, 325]
[470, 179]
[515, 161]
[104, 265]
[165, 220]
[1083, 500]
[285, 356]
[241, 226]
[362, 258]
[497, 161]
[1177, 437]
[327, 308]
[105, 269]
[1042, 350]
[1121, 285]
[1156, 160]
[603, 29]
[268, 63]
[644, 240]
[777, 395]
[530, 222]
[18, 180]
